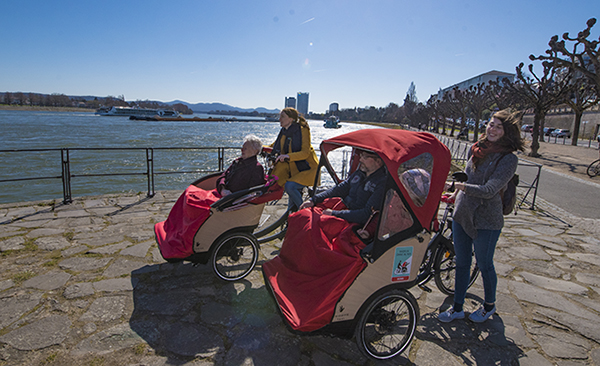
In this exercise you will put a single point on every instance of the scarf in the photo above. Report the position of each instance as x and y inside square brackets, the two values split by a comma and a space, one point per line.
[481, 149]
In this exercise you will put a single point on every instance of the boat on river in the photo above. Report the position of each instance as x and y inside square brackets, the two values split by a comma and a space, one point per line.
[178, 119]
[136, 112]
[332, 122]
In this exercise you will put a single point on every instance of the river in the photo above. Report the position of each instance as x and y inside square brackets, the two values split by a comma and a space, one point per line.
[77, 130]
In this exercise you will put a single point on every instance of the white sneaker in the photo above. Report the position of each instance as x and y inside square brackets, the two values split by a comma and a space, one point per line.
[449, 315]
[481, 315]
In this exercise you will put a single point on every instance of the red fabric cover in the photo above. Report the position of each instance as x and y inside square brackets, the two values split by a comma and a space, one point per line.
[318, 261]
[175, 236]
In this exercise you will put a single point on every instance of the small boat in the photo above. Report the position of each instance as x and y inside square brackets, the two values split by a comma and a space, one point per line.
[136, 112]
[332, 122]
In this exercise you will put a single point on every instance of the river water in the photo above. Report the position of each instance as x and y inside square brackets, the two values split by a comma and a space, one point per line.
[27, 130]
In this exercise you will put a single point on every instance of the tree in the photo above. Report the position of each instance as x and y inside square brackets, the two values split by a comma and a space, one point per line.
[541, 94]
[586, 61]
[410, 101]
[583, 96]
[478, 100]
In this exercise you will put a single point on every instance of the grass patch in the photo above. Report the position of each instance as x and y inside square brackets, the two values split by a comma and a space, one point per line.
[23, 276]
[29, 245]
[69, 235]
[51, 358]
[139, 349]
[96, 361]
[51, 263]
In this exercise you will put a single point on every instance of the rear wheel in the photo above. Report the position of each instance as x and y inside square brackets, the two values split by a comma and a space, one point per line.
[445, 270]
[387, 324]
[594, 168]
[234, 256]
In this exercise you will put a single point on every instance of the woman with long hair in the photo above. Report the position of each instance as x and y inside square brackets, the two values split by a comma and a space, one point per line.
[296, 164]
[478, 217]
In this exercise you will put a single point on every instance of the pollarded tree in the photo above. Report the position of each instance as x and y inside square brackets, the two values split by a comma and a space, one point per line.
[478, 101]
[586, 60]
[540, 94]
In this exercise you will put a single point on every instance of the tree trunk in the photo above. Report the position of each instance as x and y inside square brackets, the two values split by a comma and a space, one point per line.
[575, 137]
[535, 143]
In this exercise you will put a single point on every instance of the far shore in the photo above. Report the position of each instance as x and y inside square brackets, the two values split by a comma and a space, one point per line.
[7, 107]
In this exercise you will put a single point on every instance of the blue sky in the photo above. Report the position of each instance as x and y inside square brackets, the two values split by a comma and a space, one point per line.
[255, 53]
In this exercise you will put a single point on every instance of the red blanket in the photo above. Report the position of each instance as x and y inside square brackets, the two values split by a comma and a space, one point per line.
[318, 261]
[175, 236]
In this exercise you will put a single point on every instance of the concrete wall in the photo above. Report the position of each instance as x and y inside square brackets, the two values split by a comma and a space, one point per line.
[567, 120]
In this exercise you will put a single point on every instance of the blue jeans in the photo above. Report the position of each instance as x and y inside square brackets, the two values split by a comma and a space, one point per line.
[294, 191]
[485, 245]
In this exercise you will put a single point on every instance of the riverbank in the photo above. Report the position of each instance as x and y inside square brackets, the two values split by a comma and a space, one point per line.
[6, 107]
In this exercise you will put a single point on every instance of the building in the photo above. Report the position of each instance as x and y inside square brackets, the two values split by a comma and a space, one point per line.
[302, 105]
[334, 107]
[290, 102]
[479, 79]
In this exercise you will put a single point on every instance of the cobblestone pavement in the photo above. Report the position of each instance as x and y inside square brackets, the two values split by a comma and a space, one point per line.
[84, 284]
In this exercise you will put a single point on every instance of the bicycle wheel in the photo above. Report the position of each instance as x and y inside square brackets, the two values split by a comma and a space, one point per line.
[594, 168]
[234, 256]
[387, 324]
[445, 270]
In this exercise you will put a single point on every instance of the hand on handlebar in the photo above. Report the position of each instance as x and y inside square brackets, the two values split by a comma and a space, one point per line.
[282, 157]
[306, 204]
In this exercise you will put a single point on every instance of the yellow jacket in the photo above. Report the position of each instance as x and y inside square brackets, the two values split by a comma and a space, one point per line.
[288, 171]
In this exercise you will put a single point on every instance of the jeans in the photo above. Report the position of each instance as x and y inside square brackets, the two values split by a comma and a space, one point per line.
[294, 191]
[484, 245]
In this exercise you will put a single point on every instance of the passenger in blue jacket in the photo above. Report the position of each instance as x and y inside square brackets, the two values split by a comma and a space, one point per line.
[362, 191]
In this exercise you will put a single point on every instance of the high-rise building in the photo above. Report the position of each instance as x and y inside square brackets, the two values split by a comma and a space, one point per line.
[334, 107]
[290, 102]
[302, 105]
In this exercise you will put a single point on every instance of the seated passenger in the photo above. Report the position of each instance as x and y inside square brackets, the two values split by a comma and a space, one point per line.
[361, 192]
[245, 172]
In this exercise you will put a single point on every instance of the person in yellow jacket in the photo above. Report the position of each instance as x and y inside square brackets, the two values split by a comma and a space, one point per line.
[296, 164]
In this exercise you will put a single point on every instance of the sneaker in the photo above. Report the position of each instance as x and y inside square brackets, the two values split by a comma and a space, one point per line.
[449, 315]
[481, 315]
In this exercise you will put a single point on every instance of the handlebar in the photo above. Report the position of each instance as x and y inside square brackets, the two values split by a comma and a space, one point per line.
[447, 198]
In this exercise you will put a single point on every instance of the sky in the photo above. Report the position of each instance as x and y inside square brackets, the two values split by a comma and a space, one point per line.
[252, 54]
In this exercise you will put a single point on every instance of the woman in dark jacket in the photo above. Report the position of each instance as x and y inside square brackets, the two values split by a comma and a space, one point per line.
[478, 218]
[245, 171]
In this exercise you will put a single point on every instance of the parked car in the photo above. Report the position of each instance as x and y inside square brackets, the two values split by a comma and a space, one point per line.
[548, 130]
[527, 128]
[561, 132]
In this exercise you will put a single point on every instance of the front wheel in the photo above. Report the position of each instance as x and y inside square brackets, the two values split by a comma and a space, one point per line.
[445, 270]
[234, 256]
[594, 168]
[387, 324]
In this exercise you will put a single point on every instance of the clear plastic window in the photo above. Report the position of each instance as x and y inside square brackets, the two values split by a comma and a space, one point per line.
[395, 217]
[415, 176]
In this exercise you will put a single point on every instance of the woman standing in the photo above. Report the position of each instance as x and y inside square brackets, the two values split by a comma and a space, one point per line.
[296, 165]
[478, 218]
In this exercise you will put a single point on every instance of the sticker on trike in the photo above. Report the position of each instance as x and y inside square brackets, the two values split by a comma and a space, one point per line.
[402, 264]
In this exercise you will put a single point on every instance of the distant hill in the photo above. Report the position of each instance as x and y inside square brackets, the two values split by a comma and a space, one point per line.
[210, 107]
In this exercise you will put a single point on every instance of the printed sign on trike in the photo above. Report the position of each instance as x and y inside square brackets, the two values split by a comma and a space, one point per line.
[402, 264]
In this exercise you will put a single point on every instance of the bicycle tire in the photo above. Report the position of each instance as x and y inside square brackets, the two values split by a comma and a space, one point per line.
[387, 324]
[444, 268]
[594, 168]
[234, 256]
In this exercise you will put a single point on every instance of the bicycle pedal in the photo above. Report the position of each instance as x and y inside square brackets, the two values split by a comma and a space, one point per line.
[425, 288]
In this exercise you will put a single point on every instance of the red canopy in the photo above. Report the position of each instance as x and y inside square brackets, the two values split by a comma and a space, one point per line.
[396, 147]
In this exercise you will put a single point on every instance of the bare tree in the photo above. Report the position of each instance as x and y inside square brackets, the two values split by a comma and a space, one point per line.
[586, 60]
[583, 96]
[540, 94]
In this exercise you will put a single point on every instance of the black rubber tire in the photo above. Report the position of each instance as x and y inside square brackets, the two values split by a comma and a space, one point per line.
[387, 324]
[234, 256]
[444, 268]
[594, 168]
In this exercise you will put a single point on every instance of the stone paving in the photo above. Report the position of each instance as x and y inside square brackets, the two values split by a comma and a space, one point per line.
[85, 284]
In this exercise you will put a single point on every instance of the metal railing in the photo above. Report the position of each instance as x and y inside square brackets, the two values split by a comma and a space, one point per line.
[67, 175]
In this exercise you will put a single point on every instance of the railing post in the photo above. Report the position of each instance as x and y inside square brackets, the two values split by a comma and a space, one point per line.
[221, 154]
[150, 170]
[66, 176]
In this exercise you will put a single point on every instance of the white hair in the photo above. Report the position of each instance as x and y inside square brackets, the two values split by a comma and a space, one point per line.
[254, 142]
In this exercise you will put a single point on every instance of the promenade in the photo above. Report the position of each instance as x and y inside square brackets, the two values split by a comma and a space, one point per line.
[84, 284]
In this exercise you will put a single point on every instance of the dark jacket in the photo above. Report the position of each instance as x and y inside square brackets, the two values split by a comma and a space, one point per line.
[242, 174]
[359, 193]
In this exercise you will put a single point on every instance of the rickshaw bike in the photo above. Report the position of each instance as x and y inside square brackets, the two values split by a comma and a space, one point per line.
[333, 281]
[202, 226]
